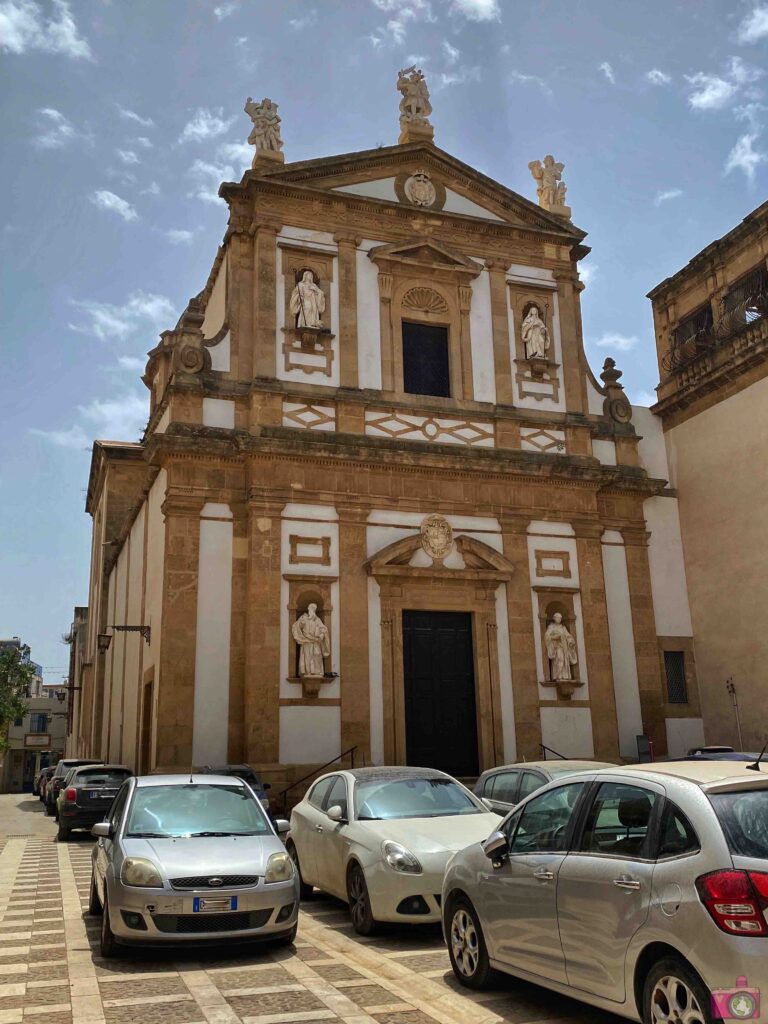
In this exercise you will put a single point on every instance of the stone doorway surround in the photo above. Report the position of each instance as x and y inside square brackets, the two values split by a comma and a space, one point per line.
[405, 587]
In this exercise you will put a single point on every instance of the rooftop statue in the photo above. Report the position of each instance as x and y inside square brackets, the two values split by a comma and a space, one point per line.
[551, 189]
[415, 107]
[265, 134]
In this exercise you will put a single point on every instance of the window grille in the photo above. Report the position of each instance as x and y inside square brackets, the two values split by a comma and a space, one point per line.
[674, 668]
[751, 290]
[697, 325]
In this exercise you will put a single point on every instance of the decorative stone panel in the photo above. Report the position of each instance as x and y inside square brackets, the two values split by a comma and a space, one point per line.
[421, 427]
[541, 439]
[309, 417]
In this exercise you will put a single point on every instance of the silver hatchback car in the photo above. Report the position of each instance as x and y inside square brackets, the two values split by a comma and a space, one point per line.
[641, 890]
[183, 858]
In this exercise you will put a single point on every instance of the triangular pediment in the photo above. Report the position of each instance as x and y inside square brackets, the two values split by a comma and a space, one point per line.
[378, 175]
[425, 252]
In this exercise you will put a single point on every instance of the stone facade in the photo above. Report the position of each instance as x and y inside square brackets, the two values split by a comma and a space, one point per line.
[285, 465]
[711, 321]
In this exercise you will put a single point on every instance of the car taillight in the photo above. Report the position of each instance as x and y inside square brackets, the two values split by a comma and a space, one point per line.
[736, 900]
[70, 794]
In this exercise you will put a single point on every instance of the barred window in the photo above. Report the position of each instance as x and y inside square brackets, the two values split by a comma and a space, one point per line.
[751, 289]
[674, 668]
[698, 324]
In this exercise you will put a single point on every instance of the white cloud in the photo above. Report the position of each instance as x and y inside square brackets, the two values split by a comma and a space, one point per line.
[56, 130]
[144, 142]
[657, 77]
[664, 195]
[132, 363]
[404, 11]
[127, 156]
[106, 200]
[616, 341]
[24, 27]
[523, 79]
[643, 397]
[179, 236]
[744, 157]
[607, 70]
[152, 189]
[205, 124]
[477, 10]
[714, 92]
[236, 153]
[306, 21]
[754, 26]
[588, 272]
[112, 419]
[108, 322]
[224, 10]
[206, 178]
[457, 77]
[131, 115]
[752, 114]
[452, 53]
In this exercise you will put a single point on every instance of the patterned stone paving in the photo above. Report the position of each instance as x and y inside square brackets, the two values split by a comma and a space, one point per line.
[51, 973]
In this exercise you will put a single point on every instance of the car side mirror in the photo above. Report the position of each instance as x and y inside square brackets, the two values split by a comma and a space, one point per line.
[335, 813]
[282, 826]
[102, 830]
[487, 802]
[496, 846]
[266, 785]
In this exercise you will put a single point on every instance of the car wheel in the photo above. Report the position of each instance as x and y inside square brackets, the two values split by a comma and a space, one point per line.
[94, 903]
[672, 992]
[107, 943]
[466, 946]
[63, 834]
[363, 920]
[305, 891]
[289, 938]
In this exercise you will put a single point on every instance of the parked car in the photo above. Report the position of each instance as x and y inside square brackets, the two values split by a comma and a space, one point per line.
[641, 890]
[86, 795]
[56, 779]
[191, 858]
[42, 781]
[380, 838]
[247, 774]
[719, 755]
[509, 784]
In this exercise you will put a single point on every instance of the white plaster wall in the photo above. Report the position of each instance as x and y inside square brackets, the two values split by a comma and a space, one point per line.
[568, 731]
[135, 647]
[320, 239]
[165, 419]
[682, 734]
[505, 676]
[622, 637]
[214, 615]
[215, 310]
[153, 586]
[481, 334]
[604, 451]
[309, 735]
[652, 449]
[455, 203]
[368, 318]
[117, 652]
[522, 272]
[379, 188]
[665, 557]
[219, 412]
[220, 354]
[595, 399]
[375, 683]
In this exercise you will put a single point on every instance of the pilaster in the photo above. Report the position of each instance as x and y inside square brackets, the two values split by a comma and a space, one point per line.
[353, 600]
[348, 368]
[502, 363]
[265, 298]
[570, 340]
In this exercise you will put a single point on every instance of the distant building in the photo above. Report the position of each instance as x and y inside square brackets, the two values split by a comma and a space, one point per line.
[35, 740]
[711, 321]
[78, 665]
[35, 688]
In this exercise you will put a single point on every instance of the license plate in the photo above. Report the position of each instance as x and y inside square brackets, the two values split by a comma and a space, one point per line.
[213, 904]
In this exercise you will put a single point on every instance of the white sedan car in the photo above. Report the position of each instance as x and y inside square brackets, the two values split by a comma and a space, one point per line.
[380, 838]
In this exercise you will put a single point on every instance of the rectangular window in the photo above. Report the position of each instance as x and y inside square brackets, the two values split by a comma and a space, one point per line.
[38, 722]
[674, 668]
[694, 327]
[425, 360]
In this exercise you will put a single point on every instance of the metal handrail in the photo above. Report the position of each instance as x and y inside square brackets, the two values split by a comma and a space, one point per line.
[545, 749]
[316, 771]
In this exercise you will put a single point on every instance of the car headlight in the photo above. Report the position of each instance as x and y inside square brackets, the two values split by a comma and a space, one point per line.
[279, 868]
[400, 859]
[141, 872]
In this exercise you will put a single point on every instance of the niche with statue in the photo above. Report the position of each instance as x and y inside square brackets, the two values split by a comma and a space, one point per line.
[310, 641]
[559, 647]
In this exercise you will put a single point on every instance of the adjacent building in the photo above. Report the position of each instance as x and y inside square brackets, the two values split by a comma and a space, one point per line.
[35, 740]
[14, 643]
[382, 503]
[711, 322]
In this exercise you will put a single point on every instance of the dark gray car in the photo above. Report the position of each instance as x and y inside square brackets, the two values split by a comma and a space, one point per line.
[54, 783]
[509, 784]
[87, 794]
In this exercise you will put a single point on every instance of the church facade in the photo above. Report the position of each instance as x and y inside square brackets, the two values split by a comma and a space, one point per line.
[382, 504]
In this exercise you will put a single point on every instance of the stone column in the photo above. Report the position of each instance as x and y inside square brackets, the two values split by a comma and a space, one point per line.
[594, 609]
[646, 643]
[347, 309]
[264, 299]
[237, 652]
[353, 618]
[176, 676]
[525, 687]
[502, 363]
[262, 651]
[467, 386]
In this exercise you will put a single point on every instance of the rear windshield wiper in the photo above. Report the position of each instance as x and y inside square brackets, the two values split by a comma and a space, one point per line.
[147, 835]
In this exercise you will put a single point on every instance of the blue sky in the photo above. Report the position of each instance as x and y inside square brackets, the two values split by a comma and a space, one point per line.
[120, 117]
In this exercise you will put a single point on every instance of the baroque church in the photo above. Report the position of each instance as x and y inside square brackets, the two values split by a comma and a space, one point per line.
[382, 507]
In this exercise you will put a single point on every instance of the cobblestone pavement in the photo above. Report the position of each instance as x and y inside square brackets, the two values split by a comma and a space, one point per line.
[51, 973]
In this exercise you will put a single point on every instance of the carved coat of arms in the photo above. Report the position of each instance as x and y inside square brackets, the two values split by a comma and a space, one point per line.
[420, 190]
[436, 537]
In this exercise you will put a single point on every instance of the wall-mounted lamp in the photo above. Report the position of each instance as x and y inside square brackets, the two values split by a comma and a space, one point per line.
[103, 641]
[146, 631]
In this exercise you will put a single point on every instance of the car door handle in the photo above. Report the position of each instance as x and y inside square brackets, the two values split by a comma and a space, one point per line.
[627, 883]
[544, 874]
[319, 828]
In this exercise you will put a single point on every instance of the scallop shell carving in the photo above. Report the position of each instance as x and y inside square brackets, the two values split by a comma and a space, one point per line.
[425, 300]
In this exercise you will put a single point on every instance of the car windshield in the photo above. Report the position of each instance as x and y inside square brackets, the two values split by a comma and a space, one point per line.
[101, 777]
[195, 809]
[744, 817]
[412, 798]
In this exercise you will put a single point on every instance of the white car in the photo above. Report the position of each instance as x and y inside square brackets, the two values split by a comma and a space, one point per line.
[380, 838]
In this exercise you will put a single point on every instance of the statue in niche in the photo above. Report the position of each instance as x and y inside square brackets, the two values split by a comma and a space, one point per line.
[561, 649]
[551, 188]
[311, 634]
[265, 134]
[415, 105]
[535, 335]
[307, 302]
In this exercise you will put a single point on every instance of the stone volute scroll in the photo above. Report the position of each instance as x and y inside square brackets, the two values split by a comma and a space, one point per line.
[551, 189]
[415, 108]
[616, 404]
[562, 658]
[313, 642]
[265, 134]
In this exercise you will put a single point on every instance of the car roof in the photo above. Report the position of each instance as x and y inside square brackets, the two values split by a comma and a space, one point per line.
[110, 767]
[566, 764]
[390, 773]
[198, 779]
[701, 773]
